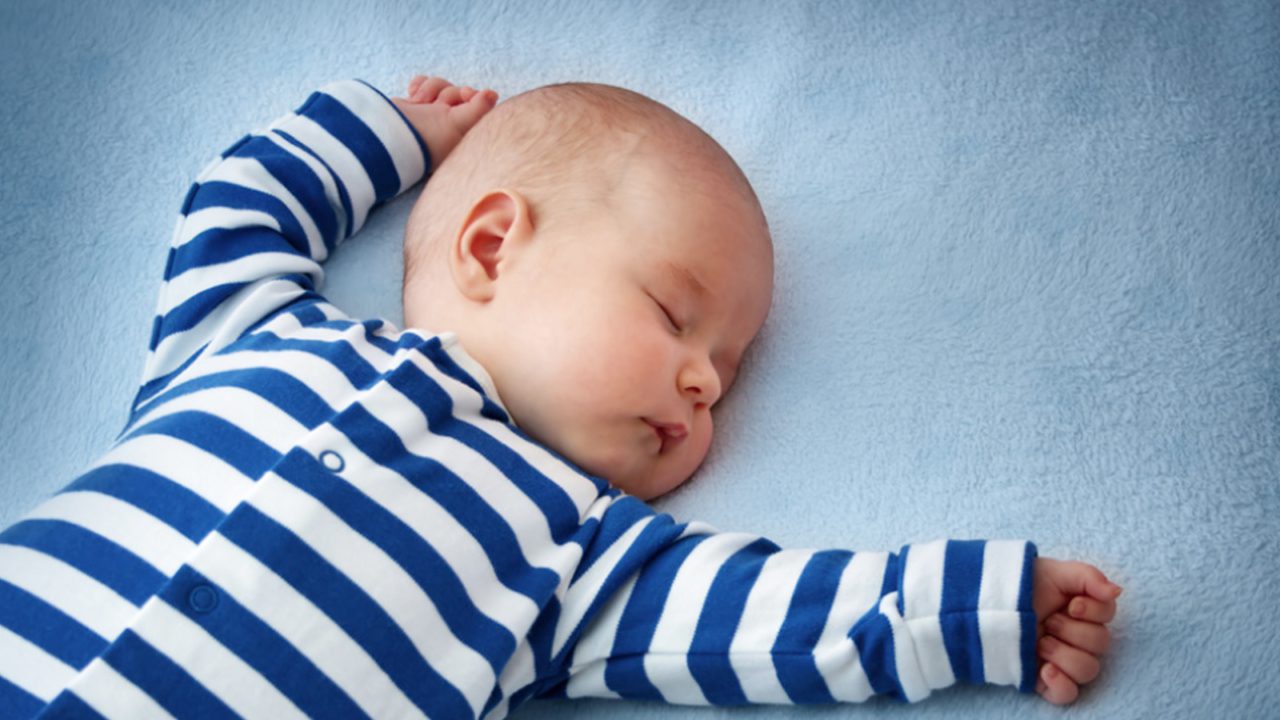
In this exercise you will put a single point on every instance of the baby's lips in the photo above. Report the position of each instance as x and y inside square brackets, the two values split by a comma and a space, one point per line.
[670, 433]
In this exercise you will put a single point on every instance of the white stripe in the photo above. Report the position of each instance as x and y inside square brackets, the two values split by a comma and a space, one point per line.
[191, 226]
[836, 655]
[519, 670]
[133, 529]
[841, 669]
[201, 472]
[680, 615]
[245, 409]
[587, 588]
[454, 541]
[303, 625]
[221, 671]
[385, 122]
[591, 653]
[385, 581]
[906, 660]
[84, 599]
[250, 174]
[352, 335]
[28, 666]
[922, 602]
[247, 269]
[339, 158]
[762, 618]
[113, 696]
[332, 197]
[689, 589]
[999, 624]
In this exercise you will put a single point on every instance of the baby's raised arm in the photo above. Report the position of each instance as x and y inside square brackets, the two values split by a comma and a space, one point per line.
[260, 220]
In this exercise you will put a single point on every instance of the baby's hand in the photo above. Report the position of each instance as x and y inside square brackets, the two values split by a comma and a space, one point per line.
[442, 113]
[1071, 641]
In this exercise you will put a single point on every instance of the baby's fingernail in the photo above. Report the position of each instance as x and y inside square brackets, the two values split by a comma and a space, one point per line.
[1116, 589]
[1077, 607]
[1049, 672]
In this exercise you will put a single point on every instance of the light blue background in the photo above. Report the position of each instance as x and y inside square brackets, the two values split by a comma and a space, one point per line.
[1027, 271]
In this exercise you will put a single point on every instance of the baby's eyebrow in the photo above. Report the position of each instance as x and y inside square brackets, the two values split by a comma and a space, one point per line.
[686, 278]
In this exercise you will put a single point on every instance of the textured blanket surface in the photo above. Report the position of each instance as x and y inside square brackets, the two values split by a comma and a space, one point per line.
[1027, 262]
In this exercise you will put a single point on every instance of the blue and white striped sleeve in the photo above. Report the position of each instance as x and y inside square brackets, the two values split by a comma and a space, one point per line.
[729, 618]
[262, 217]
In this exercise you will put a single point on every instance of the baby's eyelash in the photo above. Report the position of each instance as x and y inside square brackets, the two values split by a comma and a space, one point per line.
[670, 318]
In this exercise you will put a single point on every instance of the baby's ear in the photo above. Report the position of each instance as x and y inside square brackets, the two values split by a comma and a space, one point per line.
[495, 229]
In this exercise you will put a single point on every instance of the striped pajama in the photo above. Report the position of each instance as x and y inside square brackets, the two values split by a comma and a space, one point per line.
[312, 515]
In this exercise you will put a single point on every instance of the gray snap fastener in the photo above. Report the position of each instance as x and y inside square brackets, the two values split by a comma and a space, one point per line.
[332, 461]
[203, 598]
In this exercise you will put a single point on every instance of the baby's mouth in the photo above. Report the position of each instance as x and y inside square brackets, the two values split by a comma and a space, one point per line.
[670, 434]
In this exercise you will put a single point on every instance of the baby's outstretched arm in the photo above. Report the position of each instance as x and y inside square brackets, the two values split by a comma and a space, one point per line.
[1073, 602]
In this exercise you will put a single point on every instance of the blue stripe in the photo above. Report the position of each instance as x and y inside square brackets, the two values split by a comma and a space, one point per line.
[457, 498]
[624, 671]
[67, 705]
[286, 392]
[158, 496]
[337, 353]
[99, 558]
[343, 196]
[350, 130]
[348, 606]
[17, 703]
[709, 652]
[307, 313]
[407, 549]
[550, 498]
[426, 154]
[806, 616]
[222, 194]
[222, 245]
[372, 326]
[164, 680]
[1030, 661]
[262, 648]
[962, 580]
[233, 148]
[621, 515]
[436, 353]
[210, 433]
[300, 180]
[47, 627]
[195, 308]
[873, 637]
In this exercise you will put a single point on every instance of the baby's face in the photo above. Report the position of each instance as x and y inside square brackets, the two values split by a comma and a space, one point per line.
[632, 328]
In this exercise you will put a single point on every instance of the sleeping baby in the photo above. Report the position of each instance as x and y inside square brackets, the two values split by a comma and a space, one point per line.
[309, 514]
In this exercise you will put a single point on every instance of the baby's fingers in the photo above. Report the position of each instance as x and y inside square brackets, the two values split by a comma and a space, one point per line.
[1090, 637]
[1079, 665]
[1090, 610]
[1055, 687]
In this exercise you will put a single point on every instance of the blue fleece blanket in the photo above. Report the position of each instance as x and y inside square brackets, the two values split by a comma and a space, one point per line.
[1027, 261]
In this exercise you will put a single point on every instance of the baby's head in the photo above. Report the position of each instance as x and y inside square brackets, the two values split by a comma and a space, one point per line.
[607, 262]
